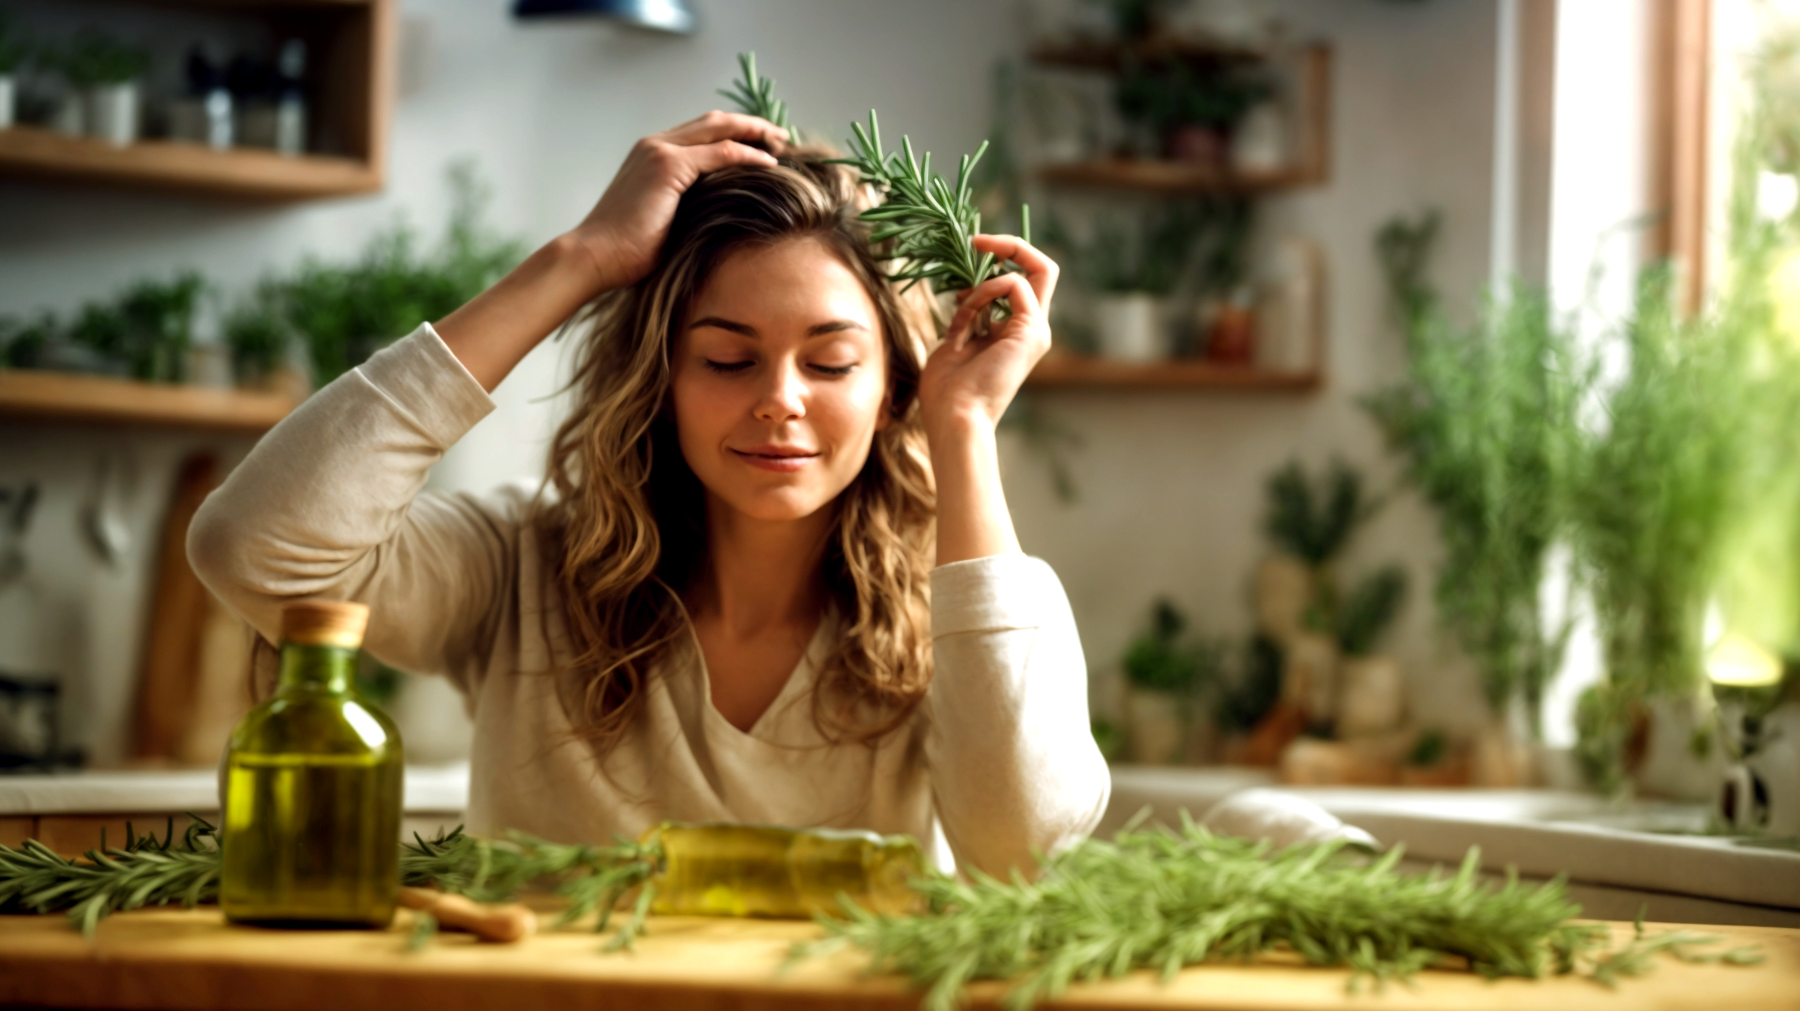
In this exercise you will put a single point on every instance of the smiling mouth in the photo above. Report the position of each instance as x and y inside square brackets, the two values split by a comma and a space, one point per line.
[786, 460]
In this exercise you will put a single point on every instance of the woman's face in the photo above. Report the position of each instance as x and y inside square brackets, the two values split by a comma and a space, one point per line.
[779, 380]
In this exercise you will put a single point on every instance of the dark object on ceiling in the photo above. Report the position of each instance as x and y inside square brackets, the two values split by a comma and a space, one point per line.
[672, 16]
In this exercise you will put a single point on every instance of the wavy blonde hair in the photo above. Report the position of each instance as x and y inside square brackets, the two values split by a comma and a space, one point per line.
[626, 530]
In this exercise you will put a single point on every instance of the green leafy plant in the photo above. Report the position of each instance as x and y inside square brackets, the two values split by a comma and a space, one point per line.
[1165, 94]
[1159, 660]
[346, 312]
[14, 50]
[1486, 421]
[97, 58]
[1314, 522]
[1167, 245]
[1368, 609]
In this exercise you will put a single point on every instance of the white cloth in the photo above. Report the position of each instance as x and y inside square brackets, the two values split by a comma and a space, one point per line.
[997, 762]
[1283, 819]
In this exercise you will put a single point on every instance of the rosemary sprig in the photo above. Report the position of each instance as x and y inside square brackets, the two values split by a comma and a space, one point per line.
[590, 878]
[928, 221]
[755, 94]
[1162, 901]
[146, 871]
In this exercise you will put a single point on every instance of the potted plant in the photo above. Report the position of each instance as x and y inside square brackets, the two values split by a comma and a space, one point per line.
[1163, 675]
[1372, 696]
[13, 52]
[108, 74]
[1486, 422]
[1186, 109]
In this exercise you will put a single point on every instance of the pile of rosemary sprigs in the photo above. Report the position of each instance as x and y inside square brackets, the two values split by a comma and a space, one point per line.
[1149, 899]
[1161, 900]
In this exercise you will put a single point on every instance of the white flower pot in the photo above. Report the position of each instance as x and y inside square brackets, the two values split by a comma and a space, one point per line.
[1671, 768]
[1373, 697]
[1158, 726]
[7, 93]
[112, 113]
[1130, 326]
[1283, 592]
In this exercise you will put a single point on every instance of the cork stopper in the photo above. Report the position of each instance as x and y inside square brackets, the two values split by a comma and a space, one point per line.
[324, 623]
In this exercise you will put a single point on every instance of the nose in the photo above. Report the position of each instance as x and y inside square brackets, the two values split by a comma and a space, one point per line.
[783, 397]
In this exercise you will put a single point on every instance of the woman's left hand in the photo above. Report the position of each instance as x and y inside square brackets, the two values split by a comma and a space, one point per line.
[967, 380]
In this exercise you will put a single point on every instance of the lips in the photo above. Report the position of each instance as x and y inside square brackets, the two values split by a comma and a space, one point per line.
[782, 459]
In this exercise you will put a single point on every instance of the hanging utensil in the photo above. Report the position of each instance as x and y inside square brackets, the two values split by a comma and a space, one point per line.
[103, 515]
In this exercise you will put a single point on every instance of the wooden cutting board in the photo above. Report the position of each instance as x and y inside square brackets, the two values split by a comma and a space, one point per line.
[191, 960]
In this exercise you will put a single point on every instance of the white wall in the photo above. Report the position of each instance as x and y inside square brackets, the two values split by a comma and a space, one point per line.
[1171, 483]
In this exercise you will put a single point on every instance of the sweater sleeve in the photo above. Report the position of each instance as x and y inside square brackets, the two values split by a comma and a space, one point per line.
[1014, 767]
[329, 506]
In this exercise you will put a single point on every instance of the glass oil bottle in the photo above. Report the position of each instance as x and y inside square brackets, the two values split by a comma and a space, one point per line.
[313, 783]
[759, 870]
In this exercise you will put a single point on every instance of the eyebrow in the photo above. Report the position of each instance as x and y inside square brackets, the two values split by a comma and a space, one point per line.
[833, 326]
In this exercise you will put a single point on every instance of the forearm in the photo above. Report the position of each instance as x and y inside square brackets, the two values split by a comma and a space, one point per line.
[973, 521]
[500, 326]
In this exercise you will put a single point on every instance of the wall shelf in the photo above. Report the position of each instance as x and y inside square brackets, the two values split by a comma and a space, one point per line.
[1072, 372]
[350, 46]
[60, 396]
[1170, 177]
[1308, 69]
[239, 172]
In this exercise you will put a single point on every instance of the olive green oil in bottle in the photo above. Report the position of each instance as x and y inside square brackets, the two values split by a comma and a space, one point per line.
[313, 785]
[761, 870]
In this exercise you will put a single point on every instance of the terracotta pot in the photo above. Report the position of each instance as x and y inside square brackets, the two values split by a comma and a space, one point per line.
[1198, 145]
[1501, 758]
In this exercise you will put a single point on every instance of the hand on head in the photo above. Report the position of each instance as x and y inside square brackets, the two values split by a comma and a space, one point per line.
[625, 230]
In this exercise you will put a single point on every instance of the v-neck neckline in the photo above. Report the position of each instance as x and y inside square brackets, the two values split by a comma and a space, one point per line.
[799, 679]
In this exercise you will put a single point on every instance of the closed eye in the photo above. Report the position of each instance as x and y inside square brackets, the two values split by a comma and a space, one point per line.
[728, 367]
[835, 370]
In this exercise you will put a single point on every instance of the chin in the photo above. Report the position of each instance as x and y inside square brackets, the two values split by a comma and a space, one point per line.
[786, 505]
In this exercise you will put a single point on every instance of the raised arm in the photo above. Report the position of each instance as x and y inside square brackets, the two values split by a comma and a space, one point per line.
[615, 245]
[966, 387]
[1014, 767]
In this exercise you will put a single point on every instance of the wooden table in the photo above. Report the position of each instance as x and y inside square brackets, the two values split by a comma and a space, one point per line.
[190, 960]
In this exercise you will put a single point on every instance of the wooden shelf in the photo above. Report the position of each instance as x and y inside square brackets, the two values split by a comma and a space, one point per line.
[61, 396]
[1076, 372]
[1170, 177]
[350, 46]
[1105, 54]
[241, 172]
[1308, 70]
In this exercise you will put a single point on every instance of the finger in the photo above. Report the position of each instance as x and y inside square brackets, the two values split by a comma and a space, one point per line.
[1040, 269]
[1012, 287]
[706, 158]
[716, 126]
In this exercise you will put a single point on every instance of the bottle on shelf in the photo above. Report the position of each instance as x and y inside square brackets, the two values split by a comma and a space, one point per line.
[312, 790]
[204, 114]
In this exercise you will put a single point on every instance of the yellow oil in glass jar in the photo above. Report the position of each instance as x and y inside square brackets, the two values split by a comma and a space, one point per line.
[758, 870]
[313, 782]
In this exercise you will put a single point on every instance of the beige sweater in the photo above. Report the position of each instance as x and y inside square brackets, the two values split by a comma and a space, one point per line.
[997, 762]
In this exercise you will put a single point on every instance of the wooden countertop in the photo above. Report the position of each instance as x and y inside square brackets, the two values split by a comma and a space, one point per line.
[191, 960]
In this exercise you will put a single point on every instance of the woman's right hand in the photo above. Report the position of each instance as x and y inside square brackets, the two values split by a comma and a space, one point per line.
[624, 232]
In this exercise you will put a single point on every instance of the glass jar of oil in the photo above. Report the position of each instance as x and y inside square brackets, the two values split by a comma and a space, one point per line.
[761, 870]
[313, 781]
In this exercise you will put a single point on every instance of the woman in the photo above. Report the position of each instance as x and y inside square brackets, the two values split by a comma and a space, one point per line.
[723, 605]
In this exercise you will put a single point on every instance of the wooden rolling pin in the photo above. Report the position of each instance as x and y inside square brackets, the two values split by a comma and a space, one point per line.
[501, 923]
